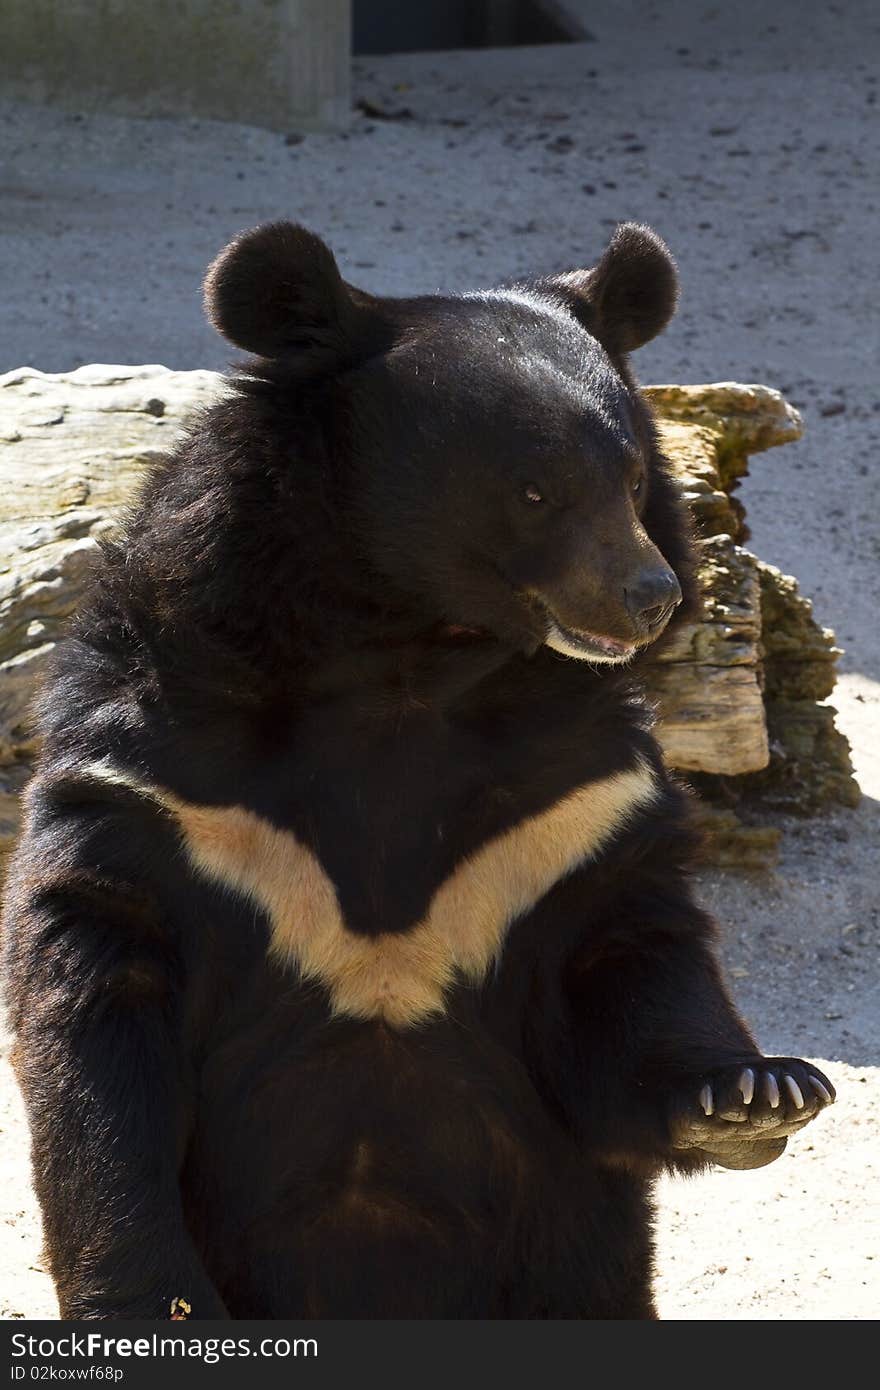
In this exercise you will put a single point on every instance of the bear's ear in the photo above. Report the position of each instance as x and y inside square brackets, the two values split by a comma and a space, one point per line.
[276, 291]
[630, 296]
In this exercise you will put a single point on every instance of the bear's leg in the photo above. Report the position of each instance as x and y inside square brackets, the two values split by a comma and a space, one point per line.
[663, 1071]
[94, 984]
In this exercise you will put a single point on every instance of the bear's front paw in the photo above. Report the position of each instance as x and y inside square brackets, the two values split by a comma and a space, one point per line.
[742, 1116]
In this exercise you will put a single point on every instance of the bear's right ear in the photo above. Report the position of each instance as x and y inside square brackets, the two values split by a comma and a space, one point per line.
[276, 291]
[630, 296]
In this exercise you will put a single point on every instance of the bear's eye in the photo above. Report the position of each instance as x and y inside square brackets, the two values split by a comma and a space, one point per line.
[637, 486]
[532, 493]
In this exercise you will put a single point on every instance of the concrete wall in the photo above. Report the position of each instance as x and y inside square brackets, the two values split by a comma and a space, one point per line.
[407, 26]
[277, 63]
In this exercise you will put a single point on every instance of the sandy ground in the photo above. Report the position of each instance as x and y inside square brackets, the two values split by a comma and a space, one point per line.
[744, 134]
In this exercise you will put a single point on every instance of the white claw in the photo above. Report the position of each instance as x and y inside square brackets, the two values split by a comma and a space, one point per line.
[706, 1100]
[821, 1091]
[794, 1091]
[747, 1085]
[772, 1090]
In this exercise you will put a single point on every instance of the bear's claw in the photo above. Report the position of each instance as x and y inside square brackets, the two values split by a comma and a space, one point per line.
[743, 1116]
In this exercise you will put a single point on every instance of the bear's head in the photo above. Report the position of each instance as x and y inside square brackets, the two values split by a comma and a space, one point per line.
[497, 465]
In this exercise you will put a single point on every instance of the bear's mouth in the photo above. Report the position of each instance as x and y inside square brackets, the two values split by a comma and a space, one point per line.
[457, 635]
[587, 646]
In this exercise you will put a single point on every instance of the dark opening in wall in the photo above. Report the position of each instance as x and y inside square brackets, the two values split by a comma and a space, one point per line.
[412, 26]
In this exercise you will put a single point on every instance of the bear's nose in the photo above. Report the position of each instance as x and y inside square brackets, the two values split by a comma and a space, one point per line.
[651, 597]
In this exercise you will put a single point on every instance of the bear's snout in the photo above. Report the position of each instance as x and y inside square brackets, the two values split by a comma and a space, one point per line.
[651, 597]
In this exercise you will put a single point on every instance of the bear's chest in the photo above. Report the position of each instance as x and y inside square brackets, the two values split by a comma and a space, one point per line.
[399, 970]
[391, 859]
[397, 811]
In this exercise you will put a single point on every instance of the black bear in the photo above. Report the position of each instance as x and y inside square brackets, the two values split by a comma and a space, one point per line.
[352, 956]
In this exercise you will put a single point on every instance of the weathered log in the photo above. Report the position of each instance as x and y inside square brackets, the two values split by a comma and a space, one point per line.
[709, 432]
[808, 763]
[73, 448]
[709, 686]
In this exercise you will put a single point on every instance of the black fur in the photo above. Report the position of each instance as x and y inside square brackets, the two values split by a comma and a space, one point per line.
[630, 296]
[330, 607]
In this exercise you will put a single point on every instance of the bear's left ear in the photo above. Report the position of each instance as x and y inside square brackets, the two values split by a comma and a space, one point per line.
[276, 291]
[630, 296]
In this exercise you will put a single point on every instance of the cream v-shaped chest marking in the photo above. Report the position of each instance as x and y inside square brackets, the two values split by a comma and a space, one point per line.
[399, 977]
